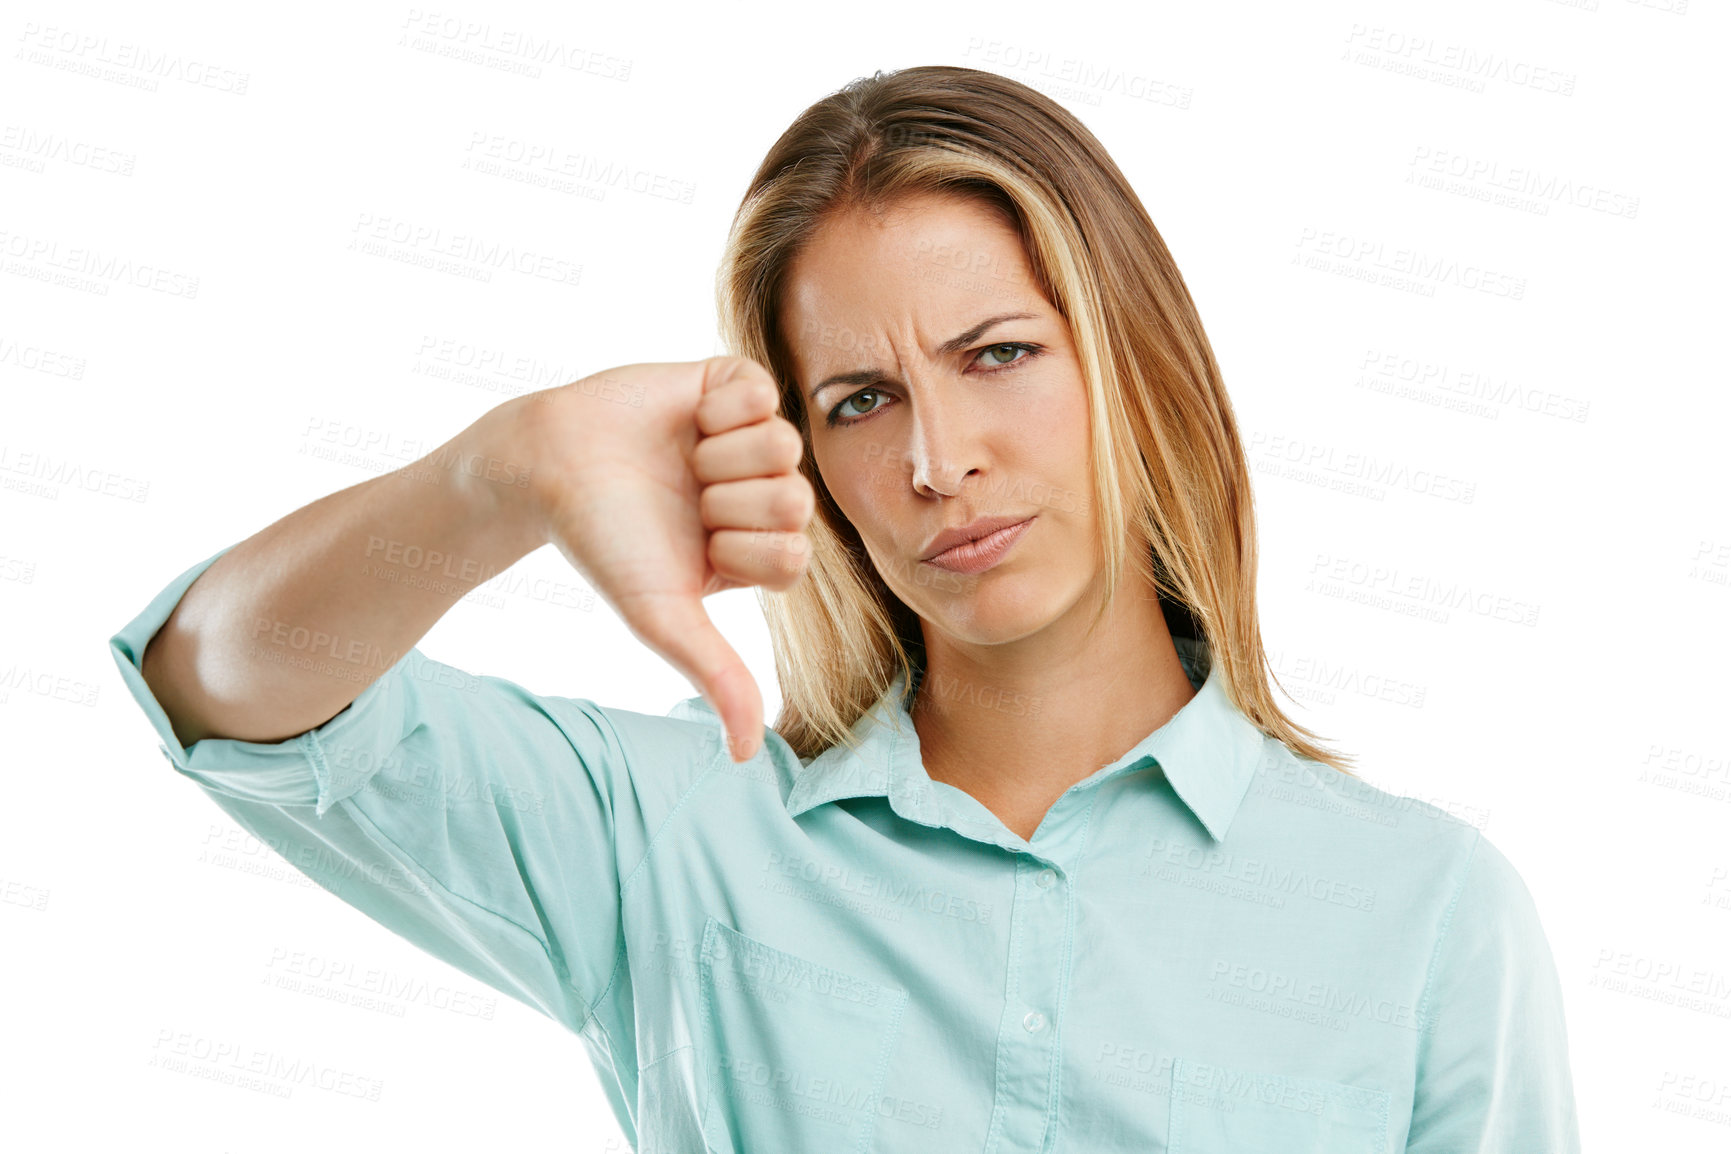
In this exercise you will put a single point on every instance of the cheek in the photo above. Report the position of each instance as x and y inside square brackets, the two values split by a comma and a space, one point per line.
[1064, 413]
[852, 485]
[1043, 433]
[862, 475]
[1048, 450]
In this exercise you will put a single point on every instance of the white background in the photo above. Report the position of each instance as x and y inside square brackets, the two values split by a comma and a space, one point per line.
[1293, 156]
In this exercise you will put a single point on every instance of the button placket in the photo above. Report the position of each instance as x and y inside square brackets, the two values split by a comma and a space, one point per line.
[1028, 1028]
[1034, 1021]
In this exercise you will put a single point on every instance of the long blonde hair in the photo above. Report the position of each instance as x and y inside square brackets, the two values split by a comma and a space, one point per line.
[1170, 472]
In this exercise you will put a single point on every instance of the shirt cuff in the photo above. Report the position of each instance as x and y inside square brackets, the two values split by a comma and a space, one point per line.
[319, 767]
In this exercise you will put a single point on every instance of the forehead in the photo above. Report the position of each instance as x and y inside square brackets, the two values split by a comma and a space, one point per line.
[932, 260]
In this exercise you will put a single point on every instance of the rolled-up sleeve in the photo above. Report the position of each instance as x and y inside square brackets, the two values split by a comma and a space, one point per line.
[1493, 1058]
[487, 825]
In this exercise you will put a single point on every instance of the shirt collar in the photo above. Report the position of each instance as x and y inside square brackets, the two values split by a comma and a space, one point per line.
[1208, 751]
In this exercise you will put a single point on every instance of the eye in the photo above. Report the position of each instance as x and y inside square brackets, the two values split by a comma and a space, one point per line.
[1001, 354]
[1004, 355]
[838, 415]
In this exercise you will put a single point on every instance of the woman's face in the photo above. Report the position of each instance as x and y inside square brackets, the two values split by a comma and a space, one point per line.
[959, 398]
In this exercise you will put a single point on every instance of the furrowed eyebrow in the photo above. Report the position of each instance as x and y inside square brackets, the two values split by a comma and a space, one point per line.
[955, 344]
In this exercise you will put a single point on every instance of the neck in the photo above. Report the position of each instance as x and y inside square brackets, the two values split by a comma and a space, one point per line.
[1017, 724]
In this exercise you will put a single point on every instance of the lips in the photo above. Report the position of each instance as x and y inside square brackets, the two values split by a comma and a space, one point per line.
[972, 531]
[975, 557]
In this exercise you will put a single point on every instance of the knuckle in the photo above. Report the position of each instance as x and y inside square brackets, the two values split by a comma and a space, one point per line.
[708, 502]
[700, 459]
[721, 552]
[794, 442]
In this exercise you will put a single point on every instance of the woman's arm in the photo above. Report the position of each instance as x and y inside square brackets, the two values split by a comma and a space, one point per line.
[1493, 1061]
[489, 825]
[660, 483]
[287, 628]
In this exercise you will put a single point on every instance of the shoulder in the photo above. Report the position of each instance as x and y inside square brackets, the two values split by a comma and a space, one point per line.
[1422, 853]
[1456, 888]
[1493, 914]
[1324, 805]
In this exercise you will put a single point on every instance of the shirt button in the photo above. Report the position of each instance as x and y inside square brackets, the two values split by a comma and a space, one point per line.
[1034, 1021]
[1045, 878]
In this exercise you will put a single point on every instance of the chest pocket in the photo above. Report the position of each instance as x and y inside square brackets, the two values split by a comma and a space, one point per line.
[1227, 1110]
[797, 1051]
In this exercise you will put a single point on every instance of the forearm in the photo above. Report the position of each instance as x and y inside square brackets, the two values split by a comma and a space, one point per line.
[287, 628]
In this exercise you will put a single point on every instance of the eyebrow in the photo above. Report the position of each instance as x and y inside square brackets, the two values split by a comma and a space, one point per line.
[955, 344]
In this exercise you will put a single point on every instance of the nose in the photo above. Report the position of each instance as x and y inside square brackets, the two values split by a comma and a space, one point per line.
[943, 446]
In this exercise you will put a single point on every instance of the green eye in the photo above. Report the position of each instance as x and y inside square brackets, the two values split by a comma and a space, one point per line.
[1004, 356]
[848, 412]
[861, 406]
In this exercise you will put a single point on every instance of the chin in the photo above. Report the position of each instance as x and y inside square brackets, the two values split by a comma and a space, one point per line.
[992, 608]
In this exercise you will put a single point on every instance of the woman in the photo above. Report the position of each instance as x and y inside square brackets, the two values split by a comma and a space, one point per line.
[1032, 860]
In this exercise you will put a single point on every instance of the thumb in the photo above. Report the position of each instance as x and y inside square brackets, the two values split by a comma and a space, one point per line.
[681, 631]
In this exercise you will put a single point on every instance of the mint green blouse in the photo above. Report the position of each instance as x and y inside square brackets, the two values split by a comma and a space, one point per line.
[1209, 946]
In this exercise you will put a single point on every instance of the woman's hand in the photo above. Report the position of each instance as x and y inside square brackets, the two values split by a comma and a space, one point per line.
[662, 484]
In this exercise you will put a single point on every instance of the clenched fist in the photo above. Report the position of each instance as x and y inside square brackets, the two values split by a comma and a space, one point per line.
[662, 484]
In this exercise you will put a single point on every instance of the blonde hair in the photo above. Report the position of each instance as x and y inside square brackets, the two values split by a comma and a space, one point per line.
[1169, 472]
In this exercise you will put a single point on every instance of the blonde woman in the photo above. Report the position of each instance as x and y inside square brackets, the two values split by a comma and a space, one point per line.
[1031, 860]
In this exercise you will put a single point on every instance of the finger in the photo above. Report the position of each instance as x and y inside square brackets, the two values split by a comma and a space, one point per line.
[680, 630]
[767, 449]
[744, 396]
[764, 557]
[786, 502]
